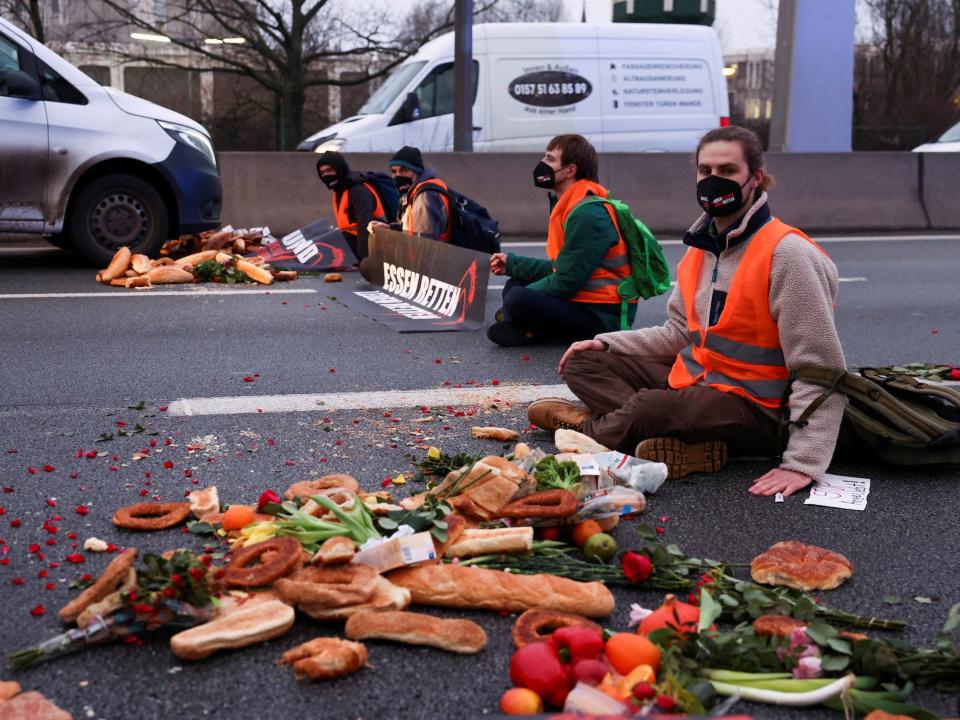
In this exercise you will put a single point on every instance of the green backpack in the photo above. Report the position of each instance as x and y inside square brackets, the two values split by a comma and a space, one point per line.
[903, 420]
[649, 272]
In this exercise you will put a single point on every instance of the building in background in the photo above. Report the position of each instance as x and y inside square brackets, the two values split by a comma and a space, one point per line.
[750, 89]
[239, 112]
[686, 12]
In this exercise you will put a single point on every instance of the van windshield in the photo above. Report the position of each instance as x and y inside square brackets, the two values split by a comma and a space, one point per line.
[951, 135]
[394, 85]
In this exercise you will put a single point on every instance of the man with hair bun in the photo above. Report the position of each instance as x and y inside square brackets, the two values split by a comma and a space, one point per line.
[753, 301]
[573, 293]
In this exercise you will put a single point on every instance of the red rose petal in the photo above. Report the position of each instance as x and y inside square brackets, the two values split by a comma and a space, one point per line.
[248, 379]
[52, 502]
[291, 463]
[32, 470]
[75, 558]
[168, 464]
[78, 453]
[38, 611]
[121, 424]
[91, 454]
[162, 408]
[16, 523]
[17, 581]
[81, 510]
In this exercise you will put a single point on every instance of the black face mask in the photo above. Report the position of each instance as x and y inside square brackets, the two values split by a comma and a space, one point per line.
[544, 176]
[403, 183]
[720, 196]
[331, 181]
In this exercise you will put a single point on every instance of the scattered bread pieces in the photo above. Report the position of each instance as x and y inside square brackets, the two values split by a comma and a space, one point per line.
[458, 636]
[107, 583]
[573, 442]
[140, 264]
[333, 277]
[494, 433]
[204, 502]
[8, 688]
[32, 706]
[336, 550]
[803, 567]
[119, 264]
[325, 658]
[249, 625]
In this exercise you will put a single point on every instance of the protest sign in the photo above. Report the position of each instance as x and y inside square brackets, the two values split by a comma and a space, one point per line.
[314, 248]
[421, 285]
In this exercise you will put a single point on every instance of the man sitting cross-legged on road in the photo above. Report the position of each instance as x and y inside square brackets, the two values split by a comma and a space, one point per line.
[754, 299]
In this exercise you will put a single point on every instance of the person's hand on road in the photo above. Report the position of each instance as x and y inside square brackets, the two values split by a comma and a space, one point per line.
[779, 480]
[498, 263]
[579, 346]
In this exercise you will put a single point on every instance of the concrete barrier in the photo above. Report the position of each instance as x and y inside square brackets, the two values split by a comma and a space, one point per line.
[818, 192]
[941, 172]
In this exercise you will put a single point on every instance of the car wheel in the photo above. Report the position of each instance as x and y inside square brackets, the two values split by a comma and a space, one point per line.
[60, 240]
[117, 211]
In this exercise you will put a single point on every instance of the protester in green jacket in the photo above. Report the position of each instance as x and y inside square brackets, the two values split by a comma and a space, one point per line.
[573, 293]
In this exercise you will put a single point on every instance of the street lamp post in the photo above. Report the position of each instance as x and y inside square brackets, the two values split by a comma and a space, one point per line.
[463, 77]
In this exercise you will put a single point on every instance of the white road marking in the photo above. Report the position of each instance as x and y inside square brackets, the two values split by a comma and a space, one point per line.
[149, 292]
[331, 402]
[818, 238]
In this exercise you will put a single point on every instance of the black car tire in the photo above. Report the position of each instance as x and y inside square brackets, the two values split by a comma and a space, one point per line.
[116, 211]
[60, 240]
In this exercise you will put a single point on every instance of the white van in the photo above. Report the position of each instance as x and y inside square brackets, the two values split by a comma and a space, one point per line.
[948, 142]
[627, 87]
[91, 167]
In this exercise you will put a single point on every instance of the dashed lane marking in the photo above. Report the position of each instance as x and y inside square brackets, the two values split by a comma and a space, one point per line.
[330, 402]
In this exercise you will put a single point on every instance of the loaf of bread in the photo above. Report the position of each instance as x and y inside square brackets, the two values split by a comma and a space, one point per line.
[459, 636]
[111, 579]
[474, 541]
[247, 626]
[477, 588]
[32, 706]
[800, 566]
[325, 658]
[573, 442]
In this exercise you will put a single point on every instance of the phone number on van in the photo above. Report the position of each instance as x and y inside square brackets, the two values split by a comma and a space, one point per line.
[550, 88]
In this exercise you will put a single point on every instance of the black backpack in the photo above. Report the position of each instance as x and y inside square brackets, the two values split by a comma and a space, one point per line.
[902, 420]
[471, 226]
[386, 190]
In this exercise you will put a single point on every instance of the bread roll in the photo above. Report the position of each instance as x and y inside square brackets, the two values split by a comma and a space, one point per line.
[494, 433]
[325, 658]
[119, 264]
[478, 588]
[386, 596]
[204, 502]
[247, 626]
[573, 442]
[459, 636]
[800, 566]
[109, 581]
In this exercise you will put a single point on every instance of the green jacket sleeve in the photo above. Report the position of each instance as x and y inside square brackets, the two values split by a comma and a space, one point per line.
[526, 270]
[590, 234]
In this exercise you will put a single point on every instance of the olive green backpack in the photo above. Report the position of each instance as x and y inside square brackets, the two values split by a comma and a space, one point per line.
[903, 420]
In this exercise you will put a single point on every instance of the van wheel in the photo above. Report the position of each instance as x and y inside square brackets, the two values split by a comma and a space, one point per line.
[116, 211]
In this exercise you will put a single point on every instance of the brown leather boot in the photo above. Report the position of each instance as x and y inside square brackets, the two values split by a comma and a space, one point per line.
[556, 413]
[683, 458]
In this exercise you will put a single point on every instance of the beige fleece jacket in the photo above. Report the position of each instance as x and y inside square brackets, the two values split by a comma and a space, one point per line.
[803, 291]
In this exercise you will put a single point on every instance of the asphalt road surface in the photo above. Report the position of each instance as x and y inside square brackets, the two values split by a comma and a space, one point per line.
[70, 365]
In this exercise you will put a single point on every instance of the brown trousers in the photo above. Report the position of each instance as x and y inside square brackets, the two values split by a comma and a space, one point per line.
[633, 402]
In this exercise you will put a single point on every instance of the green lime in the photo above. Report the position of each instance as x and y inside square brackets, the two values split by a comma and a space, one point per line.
[600, 548]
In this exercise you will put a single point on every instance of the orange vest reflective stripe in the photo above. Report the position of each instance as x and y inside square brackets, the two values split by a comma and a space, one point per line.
[615, 266]
[741, 354]
[341, 210]
[412, 192]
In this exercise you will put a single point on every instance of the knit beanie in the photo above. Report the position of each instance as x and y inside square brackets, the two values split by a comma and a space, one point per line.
[335, 160]
[408, 157]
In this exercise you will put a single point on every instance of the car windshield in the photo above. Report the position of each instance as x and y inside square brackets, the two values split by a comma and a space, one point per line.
[387, 93]
[951, 135]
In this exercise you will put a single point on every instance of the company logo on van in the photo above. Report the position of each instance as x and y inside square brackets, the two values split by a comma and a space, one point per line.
[550, 88]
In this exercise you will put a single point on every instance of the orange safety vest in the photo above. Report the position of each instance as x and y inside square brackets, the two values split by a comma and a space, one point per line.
[741, 354]
[341, 210]
[411, 193]
[615, 266]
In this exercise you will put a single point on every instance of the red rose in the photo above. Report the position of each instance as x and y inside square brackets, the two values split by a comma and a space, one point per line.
[268, 496]
[636, 567]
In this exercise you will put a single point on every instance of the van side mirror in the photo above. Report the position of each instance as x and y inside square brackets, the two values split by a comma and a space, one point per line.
[409, 111]
[21, 85]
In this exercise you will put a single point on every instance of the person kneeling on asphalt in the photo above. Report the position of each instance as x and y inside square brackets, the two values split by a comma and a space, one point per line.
[355, 202]
[754, 299]
[423, 209]
[573, 294]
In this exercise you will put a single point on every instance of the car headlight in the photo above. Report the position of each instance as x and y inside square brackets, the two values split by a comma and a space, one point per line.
[334, 143]
[194, 138]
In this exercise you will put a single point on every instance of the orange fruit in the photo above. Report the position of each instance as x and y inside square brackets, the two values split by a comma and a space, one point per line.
[584, 531]
[626, 651]
[237, 517]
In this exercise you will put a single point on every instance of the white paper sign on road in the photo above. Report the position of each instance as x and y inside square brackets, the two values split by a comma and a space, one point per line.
[838, 491]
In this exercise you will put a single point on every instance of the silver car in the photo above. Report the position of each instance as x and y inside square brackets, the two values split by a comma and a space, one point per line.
[93, 168]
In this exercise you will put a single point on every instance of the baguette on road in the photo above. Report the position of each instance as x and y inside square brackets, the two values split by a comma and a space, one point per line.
[459, 636]
[474, 541]
[247, 626]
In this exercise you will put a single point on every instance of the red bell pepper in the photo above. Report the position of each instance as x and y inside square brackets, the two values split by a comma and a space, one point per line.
[574, 644]
[537, 667]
